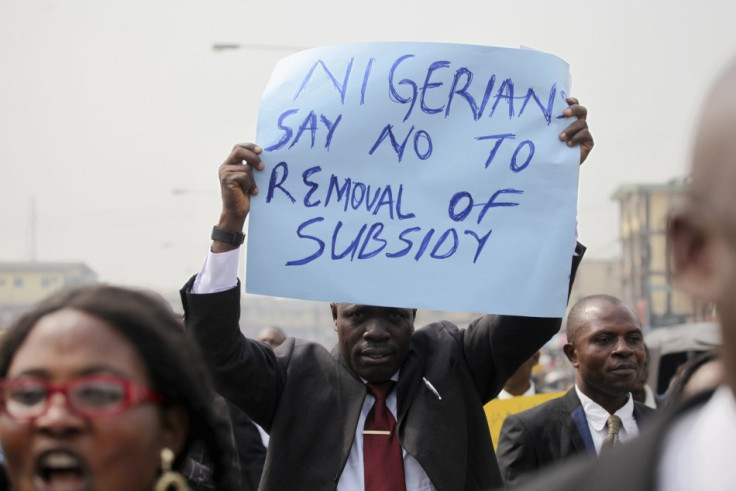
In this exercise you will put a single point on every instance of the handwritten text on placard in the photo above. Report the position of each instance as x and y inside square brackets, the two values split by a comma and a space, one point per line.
[412, 174]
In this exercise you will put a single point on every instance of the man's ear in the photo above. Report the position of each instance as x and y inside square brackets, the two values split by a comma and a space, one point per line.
[333, 308]
[569, 350]
[176, 427]
[693, 258]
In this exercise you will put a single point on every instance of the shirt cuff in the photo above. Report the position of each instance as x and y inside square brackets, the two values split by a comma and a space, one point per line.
[219, 272]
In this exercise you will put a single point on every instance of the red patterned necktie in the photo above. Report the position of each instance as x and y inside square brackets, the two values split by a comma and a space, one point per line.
[383, 463]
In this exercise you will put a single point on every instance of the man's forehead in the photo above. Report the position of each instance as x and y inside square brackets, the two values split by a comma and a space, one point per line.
[601, 315]
[595, 329]
[342, 306]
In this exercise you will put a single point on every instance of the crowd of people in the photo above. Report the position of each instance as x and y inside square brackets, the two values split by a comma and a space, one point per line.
[106, 388]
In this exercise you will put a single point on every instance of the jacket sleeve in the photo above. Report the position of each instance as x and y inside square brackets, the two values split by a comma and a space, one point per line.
[496, 345]
[245, 372]
[516, 455]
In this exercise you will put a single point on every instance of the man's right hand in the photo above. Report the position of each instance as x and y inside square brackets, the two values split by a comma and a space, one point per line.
[236, 187]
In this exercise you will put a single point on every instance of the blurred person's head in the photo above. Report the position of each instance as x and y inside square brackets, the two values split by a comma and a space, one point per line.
[639, 391]
[605, 345]
[97, 382]
[273, 336]
[702, 234]
[521, 380]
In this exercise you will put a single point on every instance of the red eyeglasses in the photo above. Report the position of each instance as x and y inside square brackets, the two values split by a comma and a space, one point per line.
[94, 396]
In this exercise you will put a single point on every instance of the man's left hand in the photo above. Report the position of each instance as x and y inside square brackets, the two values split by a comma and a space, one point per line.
[577, 132]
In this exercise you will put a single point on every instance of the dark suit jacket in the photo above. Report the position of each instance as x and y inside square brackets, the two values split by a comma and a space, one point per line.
[249, 447]
[550, 432]
[309, 400]
[631, 467]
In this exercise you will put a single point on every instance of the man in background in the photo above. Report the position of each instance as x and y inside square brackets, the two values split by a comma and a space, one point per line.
[642, 392]
[605, 345]
[273, 336]
[521, 382]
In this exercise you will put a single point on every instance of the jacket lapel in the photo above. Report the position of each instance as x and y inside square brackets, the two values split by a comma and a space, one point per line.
[351, 393]
[409, 381]
[642, 413]
[575, 424]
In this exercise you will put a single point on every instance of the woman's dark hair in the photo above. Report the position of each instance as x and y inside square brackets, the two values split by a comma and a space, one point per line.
[174, 364]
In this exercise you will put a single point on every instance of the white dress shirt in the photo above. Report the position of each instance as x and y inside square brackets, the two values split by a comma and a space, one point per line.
[219, 272]
[352, 475]
[699, 448]
[597, 417]
[649, 399]
[508, 395]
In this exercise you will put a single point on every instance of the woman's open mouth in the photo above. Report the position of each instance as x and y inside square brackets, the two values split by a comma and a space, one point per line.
[60, 470]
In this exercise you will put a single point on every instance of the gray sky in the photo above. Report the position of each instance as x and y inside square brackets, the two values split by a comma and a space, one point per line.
[107, 107]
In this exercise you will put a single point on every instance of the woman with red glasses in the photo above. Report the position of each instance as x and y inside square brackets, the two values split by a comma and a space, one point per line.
[102, 390]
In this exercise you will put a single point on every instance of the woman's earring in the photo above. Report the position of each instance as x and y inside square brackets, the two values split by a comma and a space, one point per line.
[169, 479]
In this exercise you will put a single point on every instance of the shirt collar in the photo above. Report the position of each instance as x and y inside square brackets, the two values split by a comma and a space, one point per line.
[504, 394]
[597, 416]
[394, 377]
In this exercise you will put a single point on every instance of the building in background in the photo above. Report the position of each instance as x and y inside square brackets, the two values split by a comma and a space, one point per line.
[23, 284]
[645, 284]
[597, 276]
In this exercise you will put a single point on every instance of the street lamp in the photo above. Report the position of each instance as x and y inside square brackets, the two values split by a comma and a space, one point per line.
[190, 192]
[220, 47]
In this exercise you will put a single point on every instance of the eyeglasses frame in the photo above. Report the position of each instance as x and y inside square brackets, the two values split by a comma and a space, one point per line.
[134, 394]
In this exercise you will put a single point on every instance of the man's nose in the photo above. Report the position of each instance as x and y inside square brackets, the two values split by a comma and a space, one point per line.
[376, 330]
[623, 348]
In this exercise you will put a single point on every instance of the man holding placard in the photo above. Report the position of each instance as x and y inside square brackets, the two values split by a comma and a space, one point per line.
[390, 407]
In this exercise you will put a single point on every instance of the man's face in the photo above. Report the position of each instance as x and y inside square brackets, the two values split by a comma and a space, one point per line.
[271, 337]
[607, 351]
[702, 235]
[373, 341]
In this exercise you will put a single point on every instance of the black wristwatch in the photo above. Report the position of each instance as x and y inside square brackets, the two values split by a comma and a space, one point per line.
[234, 238]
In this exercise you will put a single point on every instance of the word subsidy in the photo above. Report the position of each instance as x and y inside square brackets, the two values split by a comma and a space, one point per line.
[443, 91]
